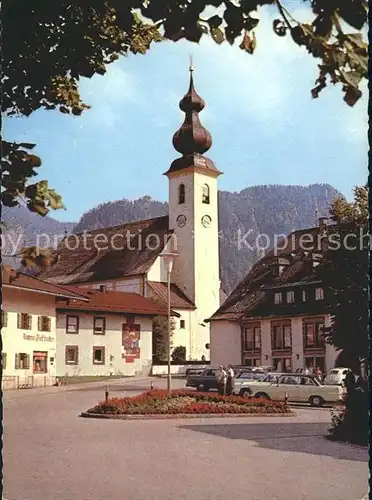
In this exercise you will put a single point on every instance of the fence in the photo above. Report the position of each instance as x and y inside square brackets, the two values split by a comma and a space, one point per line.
[9, 382]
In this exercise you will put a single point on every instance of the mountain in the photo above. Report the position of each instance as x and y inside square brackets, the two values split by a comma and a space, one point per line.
[248, 220]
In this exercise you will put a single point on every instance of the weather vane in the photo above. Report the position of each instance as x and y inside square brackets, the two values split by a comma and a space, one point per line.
[191, 67]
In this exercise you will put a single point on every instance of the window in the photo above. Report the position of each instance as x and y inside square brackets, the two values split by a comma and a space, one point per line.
[278, 298]
[72, 324]
[99, 326]
[4, 319]
[304, 295]
[281, 336]
[40, 362]
[290, 297]
[319, 294]
[43, 324]
[71, 355]
[3, 360]
[24, 321]
[98, 355]
[313, 334]
[252, 338]
[182, 323]
[205, 194]
[211, 373]
[22, 361]
[181, 194]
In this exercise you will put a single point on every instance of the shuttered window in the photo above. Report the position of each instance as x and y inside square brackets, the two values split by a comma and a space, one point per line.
[22, 361]
[43, 324]
[24, 321]
[4, 319]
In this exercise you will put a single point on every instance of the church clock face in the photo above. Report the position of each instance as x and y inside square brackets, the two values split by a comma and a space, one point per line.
[206, 220]
[181, 220]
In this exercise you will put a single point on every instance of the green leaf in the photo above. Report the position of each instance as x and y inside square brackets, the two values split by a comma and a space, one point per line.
[54, 200]
[214, 21]
[34, 160]
[249, 42]
[26, 145]
[217, 35]
[352, 95]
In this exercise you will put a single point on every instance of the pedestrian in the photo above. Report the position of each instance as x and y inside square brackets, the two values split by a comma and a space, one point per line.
[221, 376]
[306, 371]
[230, 381]
[318, 374]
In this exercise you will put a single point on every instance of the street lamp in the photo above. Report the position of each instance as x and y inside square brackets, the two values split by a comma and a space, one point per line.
[168, 261]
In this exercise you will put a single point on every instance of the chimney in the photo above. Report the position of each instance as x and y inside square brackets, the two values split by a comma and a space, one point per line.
[322, 223]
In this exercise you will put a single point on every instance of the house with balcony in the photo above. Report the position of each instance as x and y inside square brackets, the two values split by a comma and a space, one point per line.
[277, 314]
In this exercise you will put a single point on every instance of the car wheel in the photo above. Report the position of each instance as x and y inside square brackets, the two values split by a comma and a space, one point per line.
[200, 387]
[245, 393]
[316, 401]
[262, 395]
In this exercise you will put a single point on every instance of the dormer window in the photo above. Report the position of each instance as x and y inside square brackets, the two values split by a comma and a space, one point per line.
[319, 294]
[290, 297]
[278, 299]
[205, 194]
[181, 194]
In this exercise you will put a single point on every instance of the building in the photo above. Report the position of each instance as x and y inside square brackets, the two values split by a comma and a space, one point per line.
[28, 329]
[129, 257]
[111, 334]
[276, 315]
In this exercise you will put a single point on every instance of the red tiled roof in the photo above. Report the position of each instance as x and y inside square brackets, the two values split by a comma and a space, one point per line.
[114, 253]
[15, 279]
[114, 302]
[178, 299]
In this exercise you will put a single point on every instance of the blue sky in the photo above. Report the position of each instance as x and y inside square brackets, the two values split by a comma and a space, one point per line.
[266, 129]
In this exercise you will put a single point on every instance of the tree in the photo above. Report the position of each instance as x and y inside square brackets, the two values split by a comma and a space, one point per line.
[345, 274]
[49, 46]
[160, 337]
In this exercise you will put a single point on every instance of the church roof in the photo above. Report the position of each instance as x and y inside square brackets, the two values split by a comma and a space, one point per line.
[179, 300]
[111, 253]
[192, 140]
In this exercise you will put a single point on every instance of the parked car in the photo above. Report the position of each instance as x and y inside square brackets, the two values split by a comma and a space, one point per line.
[195, 371]
[298, 388]
[336, 376]
[204, 381]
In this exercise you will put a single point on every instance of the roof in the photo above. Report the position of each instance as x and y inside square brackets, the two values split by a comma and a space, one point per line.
[250, 297]
[12, 278]
[178, 298]
[111, 253]
[113, 302]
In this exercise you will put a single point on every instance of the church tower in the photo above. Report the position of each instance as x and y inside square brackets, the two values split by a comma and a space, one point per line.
[193, 216]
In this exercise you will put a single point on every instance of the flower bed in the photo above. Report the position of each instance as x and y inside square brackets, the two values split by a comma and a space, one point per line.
[185, 402]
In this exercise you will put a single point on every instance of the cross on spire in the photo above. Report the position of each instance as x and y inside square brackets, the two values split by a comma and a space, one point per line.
[191, 66]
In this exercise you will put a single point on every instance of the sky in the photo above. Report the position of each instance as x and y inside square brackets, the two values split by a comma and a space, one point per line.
[265, 126]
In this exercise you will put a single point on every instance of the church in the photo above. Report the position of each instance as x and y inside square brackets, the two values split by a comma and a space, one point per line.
[130, 257]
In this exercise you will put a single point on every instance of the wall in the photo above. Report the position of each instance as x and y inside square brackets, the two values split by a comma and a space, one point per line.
[14, 342]
[112, 341]
[133, 284]
[158, 370]
[196, 270]
[225, 343]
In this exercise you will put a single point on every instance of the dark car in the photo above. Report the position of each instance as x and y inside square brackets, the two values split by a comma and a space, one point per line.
[204, 381]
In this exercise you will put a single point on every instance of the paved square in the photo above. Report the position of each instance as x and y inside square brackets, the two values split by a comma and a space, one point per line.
[52, 454]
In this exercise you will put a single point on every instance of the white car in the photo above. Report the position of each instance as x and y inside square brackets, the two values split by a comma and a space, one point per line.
[336, 376]
[296, 388]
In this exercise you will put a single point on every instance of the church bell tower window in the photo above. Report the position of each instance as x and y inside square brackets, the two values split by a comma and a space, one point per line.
[181, 194]
[205, 194]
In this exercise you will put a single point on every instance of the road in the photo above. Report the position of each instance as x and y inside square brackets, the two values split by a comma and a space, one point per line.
[50, 453]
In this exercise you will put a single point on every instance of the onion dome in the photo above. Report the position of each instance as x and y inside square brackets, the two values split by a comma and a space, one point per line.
[192, 137]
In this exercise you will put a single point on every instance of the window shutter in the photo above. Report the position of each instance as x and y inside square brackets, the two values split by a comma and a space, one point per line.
[19, 320]
[27, 362]
[49, 324]
[16, 362]
[40, 323]
[29, 320]
[3, 360]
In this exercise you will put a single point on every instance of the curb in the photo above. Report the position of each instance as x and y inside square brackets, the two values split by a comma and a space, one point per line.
[174, 416]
